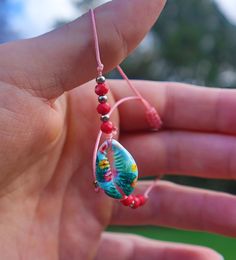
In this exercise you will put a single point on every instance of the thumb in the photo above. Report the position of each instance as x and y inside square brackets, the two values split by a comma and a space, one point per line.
[62, 59]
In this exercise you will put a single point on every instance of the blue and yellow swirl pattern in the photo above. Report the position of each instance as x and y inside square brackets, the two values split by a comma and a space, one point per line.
[122, 176]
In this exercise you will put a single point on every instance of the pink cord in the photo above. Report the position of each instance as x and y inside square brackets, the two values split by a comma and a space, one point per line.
[151, 114]
[149, 189]
[100, 66]
[136, 92]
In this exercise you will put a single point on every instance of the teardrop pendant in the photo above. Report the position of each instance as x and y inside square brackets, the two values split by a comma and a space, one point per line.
[118, 179]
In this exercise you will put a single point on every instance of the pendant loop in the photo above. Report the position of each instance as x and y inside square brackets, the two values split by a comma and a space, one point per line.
[119, 179]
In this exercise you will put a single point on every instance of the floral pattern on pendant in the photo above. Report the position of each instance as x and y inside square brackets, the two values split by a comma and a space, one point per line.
[121, 178]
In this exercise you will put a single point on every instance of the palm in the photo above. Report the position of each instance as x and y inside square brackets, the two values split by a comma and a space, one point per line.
[63, 201]
[47, 140]
[85, 213]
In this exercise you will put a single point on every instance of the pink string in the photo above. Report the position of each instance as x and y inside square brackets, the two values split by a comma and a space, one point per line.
[100, 66]
[149, 189]
[151, 114]
[136, 92]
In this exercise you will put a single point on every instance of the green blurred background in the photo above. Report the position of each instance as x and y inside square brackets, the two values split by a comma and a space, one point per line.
[192, 42]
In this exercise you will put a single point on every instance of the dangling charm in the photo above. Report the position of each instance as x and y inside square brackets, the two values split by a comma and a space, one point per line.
[119, 177]
[117, 180]
[114, 169]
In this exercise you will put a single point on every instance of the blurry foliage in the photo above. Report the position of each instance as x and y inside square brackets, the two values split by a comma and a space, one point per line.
[191, 42]
[85, 5]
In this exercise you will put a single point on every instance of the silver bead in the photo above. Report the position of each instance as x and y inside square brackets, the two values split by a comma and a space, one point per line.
[132, 204]
[100, 79]
[105, 118]
[102, 99]
[95, 183]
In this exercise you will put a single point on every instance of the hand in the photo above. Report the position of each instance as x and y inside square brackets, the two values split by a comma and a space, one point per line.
[47, 130]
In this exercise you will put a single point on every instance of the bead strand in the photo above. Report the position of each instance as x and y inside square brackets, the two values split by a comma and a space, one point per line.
[103, 107]
[134, 201]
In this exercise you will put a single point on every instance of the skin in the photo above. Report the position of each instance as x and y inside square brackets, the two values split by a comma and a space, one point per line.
[48, 126]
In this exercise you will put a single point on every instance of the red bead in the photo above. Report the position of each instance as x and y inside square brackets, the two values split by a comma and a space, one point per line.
[142, 199]
[103, 109]
[127, 200]
[107, 127]
[101, 89]
[136, 203]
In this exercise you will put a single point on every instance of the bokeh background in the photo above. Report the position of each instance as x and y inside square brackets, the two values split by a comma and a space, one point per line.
[194, 41]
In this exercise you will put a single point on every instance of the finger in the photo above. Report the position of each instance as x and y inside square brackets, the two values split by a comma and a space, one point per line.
[120, 246]
[62, 59]
[181, 207]
[181, 106]
[189, 153]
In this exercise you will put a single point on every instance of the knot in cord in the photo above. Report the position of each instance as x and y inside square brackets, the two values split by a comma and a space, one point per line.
[153, 118]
